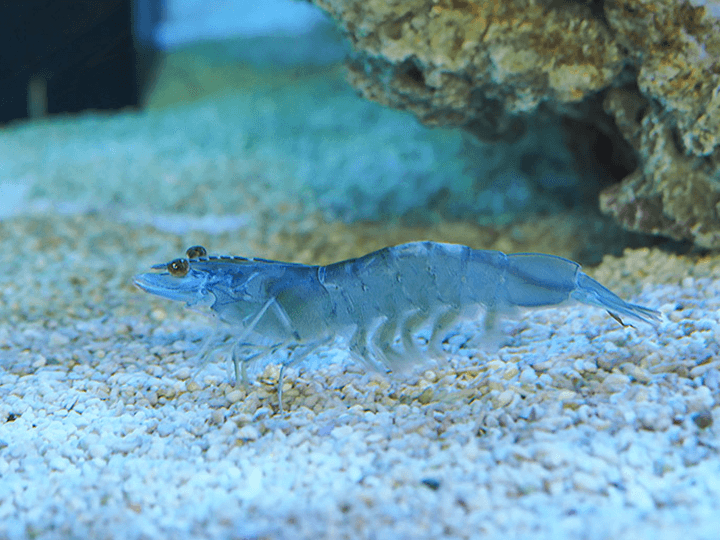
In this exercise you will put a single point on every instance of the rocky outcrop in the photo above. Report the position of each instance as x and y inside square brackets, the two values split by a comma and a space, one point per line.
[672, 119]
[486, 65]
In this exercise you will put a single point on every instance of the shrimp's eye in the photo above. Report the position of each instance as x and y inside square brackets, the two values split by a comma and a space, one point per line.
[178, 267]
[196, 251]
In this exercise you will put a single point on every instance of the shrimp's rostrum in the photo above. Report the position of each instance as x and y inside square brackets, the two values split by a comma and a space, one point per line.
[380, 301]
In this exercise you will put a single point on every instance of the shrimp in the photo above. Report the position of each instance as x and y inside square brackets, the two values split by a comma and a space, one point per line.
[377, 302]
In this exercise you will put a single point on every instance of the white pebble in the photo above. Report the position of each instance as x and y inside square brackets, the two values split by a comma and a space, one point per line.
[235, 396]
[528, 376]
[504, 398]
[56, 339]
[248, 433]
[615, 382]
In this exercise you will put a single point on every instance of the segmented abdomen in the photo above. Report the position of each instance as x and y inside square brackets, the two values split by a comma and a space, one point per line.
[395, 291]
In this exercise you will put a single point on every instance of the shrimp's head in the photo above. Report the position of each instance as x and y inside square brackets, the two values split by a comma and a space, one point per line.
[178, 282]
[233, 287]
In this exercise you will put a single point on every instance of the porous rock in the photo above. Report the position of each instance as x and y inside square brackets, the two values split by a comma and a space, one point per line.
[672, 119]
[486, 65]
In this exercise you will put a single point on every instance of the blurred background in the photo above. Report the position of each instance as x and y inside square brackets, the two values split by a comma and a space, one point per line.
[76, 55]
[184, 21]
[233, 114]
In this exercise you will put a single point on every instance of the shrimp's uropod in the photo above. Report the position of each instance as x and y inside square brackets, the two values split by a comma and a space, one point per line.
[378, 302]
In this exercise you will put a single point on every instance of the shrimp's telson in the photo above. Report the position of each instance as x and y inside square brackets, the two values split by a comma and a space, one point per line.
[378, 302]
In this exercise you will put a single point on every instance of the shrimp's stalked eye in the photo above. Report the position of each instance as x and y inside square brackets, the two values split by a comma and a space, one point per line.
[178, 267]
[196, 251]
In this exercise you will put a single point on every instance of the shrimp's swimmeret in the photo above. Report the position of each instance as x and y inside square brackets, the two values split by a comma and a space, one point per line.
[378, 302]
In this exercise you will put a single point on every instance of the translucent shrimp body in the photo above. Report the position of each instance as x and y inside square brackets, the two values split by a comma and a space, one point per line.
[380, 301]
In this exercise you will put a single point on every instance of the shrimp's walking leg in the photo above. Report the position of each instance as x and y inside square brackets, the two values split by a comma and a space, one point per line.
[203, 356]
[241, 370]
[243, 361]
[249, 328]
[298, 355]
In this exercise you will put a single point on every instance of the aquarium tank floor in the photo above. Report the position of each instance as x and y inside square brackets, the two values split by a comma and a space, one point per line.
[111, 427]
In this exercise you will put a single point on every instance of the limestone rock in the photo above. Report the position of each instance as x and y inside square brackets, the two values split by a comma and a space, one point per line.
[486, 65]
[672, 119]
[475, 64]
[674, 192]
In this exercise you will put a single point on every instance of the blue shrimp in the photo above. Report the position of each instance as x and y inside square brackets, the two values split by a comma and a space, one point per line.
[377, 302]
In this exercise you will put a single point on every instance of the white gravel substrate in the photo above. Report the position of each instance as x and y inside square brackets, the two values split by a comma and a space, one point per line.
[110, 428]
[577, 428]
